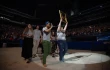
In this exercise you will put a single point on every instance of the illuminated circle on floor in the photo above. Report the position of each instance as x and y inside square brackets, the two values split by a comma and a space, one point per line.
[85, 58]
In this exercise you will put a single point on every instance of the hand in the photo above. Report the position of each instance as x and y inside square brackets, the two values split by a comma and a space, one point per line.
[66, 22]
[59, 11]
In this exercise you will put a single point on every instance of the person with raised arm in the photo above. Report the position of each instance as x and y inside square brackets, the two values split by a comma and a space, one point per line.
[46, 41]
[61, 39]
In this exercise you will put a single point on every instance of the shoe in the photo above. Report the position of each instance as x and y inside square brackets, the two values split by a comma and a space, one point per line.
[44, 65]
[34, 55]
[62, 60]
[29, 60]
[25, 59]
[56, 55]
[53, 55]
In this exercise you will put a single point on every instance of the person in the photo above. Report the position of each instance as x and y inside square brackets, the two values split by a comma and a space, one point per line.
[61, 40]
[28, 43]
[54, 43]
[36, 40]
[21, 40]
[46, 41]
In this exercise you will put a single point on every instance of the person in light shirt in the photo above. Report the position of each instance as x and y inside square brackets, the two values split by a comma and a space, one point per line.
[46, 41]
[61, 39]
[36, 40]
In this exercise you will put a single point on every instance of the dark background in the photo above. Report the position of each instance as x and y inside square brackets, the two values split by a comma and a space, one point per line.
[44, 10]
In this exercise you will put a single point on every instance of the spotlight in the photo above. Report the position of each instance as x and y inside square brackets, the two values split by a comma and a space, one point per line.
[85, 58]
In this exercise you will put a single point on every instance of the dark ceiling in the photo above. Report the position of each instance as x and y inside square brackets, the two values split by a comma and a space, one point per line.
[48, 9]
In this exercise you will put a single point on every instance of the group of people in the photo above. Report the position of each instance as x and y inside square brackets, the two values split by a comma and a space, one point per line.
[10, 33]
[89, 30]
[48, 39]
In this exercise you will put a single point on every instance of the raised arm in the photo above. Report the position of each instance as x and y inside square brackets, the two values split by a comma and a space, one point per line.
[59, 26]
[66, 23]
[65, 27]
[60, 14]
[48, 30]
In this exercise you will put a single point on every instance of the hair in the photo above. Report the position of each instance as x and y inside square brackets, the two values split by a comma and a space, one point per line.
[27, 29]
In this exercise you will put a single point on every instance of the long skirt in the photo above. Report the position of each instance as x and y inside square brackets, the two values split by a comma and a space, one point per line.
[27, 48]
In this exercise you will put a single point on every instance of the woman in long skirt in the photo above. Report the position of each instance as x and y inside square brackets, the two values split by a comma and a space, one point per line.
[28, 43]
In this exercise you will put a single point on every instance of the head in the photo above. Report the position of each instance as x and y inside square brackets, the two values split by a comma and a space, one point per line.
[53, 33]
[48, 25]
[37, 27]
[63, 18]
[29, 26]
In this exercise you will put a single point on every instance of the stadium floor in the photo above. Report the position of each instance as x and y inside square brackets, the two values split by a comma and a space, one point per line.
[10, 59]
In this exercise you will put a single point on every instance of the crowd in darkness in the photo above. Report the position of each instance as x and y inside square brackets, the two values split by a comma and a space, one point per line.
[91, 30]
[10, 32]
[14, 33]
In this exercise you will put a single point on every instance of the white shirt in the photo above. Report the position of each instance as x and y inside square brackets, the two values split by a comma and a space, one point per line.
[30, 33]
[37, 34]
[46, 36]
[61, 35]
